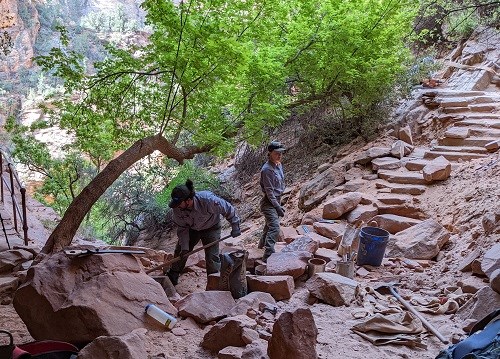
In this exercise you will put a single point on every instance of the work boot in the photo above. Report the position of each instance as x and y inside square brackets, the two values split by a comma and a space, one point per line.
[174, 278]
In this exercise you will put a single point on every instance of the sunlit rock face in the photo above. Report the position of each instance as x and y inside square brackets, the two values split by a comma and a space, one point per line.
[19, 26]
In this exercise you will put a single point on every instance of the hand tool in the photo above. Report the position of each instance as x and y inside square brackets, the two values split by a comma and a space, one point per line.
[176, 259]
[87, 252]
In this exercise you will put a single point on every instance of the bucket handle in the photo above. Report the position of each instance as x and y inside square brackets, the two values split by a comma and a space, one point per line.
[373, 223]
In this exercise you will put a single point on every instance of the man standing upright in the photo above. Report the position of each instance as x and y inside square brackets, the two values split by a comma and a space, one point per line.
[272, 182]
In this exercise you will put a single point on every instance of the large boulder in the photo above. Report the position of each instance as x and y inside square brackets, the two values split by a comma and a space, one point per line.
[206, 306]
[438, 169]
[12, 258]
[491, 260]
[79, 299]
[288, 263]
[480, 305]
[332, 288]
[316, 190]
[339, 205]
[128, 346]
[228, 332]
[294, 336]
[421, 241]
[393, 223]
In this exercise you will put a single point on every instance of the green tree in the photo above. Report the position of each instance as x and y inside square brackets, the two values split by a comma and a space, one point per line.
[216, 72]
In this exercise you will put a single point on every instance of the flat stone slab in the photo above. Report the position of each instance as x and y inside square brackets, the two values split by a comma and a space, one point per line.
[393, 198]
[386, 163]
[451, 93]
[466, 149]
[483, 107]
[454, 101]
[492, 146]
[483, 131]
[455, 109]
[454, 156]
[475, 141]
[457, 132]
[404, 210]
[393, 223]
[414, 190]
[402, 177]
[484, 122]
[416, 164]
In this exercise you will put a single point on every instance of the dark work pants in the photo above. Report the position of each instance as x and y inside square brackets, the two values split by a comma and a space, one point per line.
[211, 253]
[271, 228]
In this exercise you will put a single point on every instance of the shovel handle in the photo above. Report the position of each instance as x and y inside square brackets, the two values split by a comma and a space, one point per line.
[418, 315]
[176, 259]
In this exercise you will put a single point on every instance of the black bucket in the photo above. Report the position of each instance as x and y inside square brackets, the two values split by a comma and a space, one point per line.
[372, 243]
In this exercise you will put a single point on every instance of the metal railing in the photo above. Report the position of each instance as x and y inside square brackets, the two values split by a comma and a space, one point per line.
[11, 186]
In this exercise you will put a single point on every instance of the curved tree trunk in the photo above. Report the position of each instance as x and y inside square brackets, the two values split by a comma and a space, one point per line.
[66, 229]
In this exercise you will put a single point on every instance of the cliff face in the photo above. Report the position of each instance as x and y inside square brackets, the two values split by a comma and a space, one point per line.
[20, 24]
[28, 29]
[22, 21]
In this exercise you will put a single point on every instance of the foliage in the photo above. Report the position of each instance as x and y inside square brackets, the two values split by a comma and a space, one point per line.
[200, 177]
[444, 20]
[64, 177]
[139, 198]
[5, 43]
[116, 20]
[218, 72]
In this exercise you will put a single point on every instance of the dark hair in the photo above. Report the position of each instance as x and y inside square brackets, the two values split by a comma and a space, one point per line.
[181, 193]
[190, 187]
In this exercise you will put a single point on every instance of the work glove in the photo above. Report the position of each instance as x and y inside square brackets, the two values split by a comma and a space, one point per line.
[236, 232]
[281, 211]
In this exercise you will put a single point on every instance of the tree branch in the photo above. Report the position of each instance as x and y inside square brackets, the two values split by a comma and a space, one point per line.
[66, 229]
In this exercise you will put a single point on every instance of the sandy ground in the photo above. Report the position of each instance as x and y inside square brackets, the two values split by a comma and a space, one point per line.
[459, 203]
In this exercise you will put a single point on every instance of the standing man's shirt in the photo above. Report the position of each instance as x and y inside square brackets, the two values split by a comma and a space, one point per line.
[206, 212]
[272, 182]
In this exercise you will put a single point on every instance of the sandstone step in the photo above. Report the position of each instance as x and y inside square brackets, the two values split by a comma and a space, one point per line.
[394, 198]
[394, 223]
[454, 117]
[414, 190]
[451, 93]
[483, 107]
[404, 210]
[464, 101]
[464, 149]
[482, 116]
[469, 141]
[492, 146]
[416, 164]
[453, 102]
[457, 132]
[14, 240]
[386, 163]
[455, 109]
[483, 131]
[402, 177]
[454, 156]
[485, 122]
[418, 152]
[419, 164]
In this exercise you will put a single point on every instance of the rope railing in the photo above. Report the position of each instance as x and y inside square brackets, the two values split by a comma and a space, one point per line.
[11, 185]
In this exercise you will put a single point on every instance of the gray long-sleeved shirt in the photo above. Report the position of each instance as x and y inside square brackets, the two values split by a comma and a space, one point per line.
[205, 213]
[272, 182]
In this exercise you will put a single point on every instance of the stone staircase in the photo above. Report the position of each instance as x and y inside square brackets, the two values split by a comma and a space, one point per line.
[467, 114]
[10, 236]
